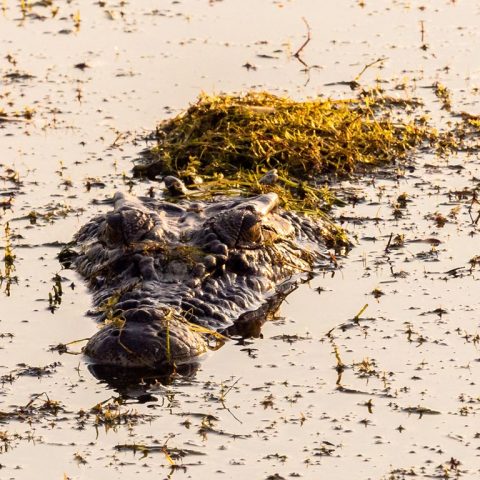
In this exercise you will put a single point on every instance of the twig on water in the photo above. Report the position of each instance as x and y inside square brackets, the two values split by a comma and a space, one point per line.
[424, 46]
[422, 31]
[387, 248]
[356, 318]
[304, 44]
[368, 65]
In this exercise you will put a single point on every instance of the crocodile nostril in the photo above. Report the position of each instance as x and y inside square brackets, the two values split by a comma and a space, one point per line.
[250, 230]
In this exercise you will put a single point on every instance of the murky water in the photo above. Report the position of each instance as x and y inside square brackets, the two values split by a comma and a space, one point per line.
[94, 77]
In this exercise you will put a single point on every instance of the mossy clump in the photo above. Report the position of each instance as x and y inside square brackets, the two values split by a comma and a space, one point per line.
[259, 131]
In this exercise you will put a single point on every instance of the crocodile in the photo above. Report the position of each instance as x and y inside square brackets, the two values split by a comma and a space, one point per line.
[172, 279]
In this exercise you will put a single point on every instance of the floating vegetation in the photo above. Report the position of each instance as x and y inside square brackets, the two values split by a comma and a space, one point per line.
[76, 20]
[28, 113]
[7, 277]
[261, 131]
[171, 453]
[110, 414]
[55, 296]
[421, 411]
[261, 142]
[51, 212]
[24, 370]
[444, 95]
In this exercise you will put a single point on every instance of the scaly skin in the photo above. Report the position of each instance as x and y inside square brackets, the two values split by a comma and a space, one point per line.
[164, 273]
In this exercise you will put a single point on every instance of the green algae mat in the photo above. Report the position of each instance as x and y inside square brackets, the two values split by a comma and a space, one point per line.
[236, 135]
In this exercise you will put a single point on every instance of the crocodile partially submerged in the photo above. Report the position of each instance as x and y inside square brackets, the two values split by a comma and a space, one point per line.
[170, 277]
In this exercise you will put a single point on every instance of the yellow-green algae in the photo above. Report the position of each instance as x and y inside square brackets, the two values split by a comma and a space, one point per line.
[259, 131]
[230, 141]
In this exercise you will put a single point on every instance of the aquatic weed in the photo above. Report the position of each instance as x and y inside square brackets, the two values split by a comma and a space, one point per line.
[241, 135]
[9, 263]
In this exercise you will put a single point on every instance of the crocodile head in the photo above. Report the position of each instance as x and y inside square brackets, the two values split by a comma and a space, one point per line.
[176, 272]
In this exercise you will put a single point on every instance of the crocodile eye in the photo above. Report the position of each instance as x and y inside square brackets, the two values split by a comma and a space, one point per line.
[136, 224]
[226, 226]
[238, 227]
[250, 229]
[126, 226]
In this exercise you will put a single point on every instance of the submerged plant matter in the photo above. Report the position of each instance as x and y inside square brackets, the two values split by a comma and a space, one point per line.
[232, 141]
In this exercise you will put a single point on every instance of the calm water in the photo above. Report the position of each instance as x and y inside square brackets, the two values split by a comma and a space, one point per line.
[408, 399]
